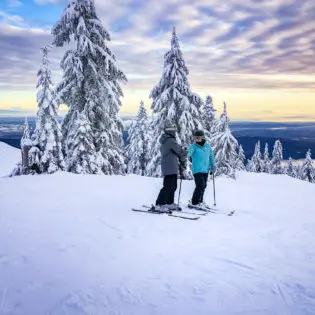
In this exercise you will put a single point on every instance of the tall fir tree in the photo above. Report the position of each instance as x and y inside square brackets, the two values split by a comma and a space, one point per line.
[308, 169]
[266, 161]
[209, 117]
[224, 146]
[47, 135]
[277, 157]
[90, 87]
[137, 151]
[291, 170]
[173, 101]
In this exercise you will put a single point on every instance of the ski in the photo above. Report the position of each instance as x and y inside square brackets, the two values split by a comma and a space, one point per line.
[184, 217]
[203, 209]
[147, 211]
[168, 213]
[181, 211]
[231, 213]
[212, 210]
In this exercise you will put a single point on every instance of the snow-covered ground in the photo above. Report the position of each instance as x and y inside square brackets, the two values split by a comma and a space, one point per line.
[9, 157]
[69, 245]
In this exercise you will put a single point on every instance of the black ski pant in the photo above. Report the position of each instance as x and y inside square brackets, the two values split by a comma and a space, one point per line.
[167, 193]
[201, 184]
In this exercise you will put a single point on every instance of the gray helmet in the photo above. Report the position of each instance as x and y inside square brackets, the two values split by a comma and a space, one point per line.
[169, 127]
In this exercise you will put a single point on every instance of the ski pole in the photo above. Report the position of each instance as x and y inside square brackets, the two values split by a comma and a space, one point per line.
[180, 188]
[214, 190]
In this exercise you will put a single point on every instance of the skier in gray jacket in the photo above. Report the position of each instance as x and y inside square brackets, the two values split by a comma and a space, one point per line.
[173, 162]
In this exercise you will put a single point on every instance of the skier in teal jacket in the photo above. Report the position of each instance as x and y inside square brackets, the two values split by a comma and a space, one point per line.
[201, 155]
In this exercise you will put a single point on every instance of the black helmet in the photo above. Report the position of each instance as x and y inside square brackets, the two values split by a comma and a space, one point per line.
[199, 133]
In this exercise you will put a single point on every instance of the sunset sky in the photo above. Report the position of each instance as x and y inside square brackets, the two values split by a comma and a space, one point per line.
[256, 55]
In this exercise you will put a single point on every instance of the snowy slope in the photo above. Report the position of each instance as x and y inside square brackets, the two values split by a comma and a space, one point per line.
[9, 156]
[69, 245]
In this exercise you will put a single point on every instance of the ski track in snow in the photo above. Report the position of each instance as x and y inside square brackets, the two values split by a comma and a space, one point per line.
[69, 245]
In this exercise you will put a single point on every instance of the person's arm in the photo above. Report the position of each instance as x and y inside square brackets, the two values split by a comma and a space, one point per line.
[177, 150]
[190, 151]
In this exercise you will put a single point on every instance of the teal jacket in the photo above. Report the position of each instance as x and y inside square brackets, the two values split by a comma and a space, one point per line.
[202, 158]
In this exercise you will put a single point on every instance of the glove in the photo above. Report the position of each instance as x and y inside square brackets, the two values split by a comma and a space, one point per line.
[213, 170]
[182, 173]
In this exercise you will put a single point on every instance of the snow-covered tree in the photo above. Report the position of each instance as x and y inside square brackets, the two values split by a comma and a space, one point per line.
[291, 170]
[277, 157]
[224, 146]
[256, 164]
[223, 121]
[299, 171]
[240, 165]
[266, 161]
[173, 101]
[30, 155]
[90, 87]
[209, 117]
[34, 165]
[47, 135]
[26, 137]
[308, 169]
[82, 159]
[137, 151]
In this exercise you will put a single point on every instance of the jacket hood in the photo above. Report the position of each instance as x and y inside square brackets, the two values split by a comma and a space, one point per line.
[166, 136]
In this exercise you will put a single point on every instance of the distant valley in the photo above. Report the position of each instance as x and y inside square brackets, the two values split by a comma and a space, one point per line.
[296, 138]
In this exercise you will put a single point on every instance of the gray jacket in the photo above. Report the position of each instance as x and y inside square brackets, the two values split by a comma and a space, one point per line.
[172, 155]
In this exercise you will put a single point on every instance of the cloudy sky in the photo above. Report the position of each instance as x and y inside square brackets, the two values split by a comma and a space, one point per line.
[256, 55]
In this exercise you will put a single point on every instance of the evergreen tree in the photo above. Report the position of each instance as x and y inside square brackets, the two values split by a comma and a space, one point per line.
[224, 120]
[251, 167]
[241, 159]
[47, 135]
[91, 88]
[307, 169]
[82, 159]
[291, 170]
[257, 163]
[26, 137]
[173, 101]
[299, 171]
[266, 161]
[224, 146]
[34, 165]
[277, 157]
[209, 117]
[137, 151]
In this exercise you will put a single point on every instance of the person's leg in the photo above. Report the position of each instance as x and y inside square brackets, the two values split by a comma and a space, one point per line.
[199, 184]
[172, 188]
[204, 185]
[161, 200]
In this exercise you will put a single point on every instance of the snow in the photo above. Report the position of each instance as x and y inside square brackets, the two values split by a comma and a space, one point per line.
[80, 250]
[9, 157]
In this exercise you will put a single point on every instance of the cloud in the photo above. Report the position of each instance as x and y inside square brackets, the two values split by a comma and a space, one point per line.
[11, 19]
[300, 117]
[248, 44]
[47, 1]
[14, 3]
[15, 112]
